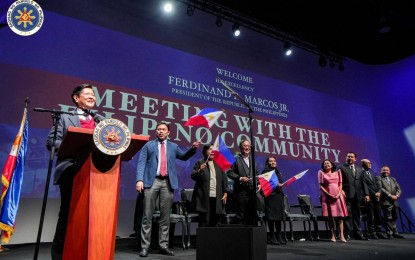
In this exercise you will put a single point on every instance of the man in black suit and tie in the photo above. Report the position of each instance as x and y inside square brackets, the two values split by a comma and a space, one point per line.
[391, 191]
[353, 187]
[83, 97]
[242, 173]
[372, 196]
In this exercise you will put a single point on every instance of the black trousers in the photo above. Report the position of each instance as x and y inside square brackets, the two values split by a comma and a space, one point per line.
[210, 218]
[353, 221]
[245, 210]
[65, 186]
[374, 215]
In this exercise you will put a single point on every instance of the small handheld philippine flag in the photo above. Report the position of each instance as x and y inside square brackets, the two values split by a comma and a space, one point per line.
[223, 157]
[268, 181]
[294, 178]
[206, 117]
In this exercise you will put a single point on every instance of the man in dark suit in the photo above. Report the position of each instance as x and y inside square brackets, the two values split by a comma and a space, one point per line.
[242, 173]
[65, 169]
[391, 191]
[371, 200]
[156, 176]
[353, 187]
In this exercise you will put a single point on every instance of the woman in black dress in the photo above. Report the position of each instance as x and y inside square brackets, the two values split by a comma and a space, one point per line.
[274, 204]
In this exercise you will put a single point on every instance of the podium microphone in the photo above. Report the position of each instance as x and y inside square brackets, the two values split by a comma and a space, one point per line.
[37, 109]
[226, 86]
[97, 118]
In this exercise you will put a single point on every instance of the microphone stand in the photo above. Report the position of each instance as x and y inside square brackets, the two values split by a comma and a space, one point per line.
[252, 167]
[56, 115]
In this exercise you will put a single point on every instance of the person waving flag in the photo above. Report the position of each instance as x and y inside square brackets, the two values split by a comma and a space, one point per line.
[206, 117]
[268, 181]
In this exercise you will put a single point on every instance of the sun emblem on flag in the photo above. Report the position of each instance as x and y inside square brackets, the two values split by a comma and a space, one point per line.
[112, 137]
[25, 17]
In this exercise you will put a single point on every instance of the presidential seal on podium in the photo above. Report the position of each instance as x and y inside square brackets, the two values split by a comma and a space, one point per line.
[111, 136]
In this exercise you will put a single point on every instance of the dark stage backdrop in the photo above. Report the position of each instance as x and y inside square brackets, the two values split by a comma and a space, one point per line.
[141, 83]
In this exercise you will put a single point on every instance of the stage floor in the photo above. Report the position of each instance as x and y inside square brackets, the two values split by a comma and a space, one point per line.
[126, 248]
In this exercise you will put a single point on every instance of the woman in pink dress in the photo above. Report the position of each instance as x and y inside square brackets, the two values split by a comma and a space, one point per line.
[333, 202]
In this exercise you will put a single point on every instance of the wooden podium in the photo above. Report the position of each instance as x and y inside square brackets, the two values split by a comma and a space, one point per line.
[92, 221]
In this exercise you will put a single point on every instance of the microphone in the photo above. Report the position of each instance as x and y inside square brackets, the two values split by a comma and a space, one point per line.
[97, 118]
[88, 112]
[235, 94]
[43, 110]
[226, 86]
[53, 111]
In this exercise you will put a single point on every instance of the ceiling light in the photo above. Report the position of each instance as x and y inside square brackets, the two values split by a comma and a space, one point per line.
[190, 10]
[341, 66]
[288, 49]
[384, 26]
[235, 29]
[218, 21]
[168, 7]
[322, 61]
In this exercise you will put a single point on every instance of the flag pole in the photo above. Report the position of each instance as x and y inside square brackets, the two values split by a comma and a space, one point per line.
[1, 235]
[202, 136]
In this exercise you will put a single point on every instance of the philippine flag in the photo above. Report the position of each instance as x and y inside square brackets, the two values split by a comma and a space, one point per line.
[295, 177]
[206, 117]
[12, 179]
[268, 181]
[223, 157]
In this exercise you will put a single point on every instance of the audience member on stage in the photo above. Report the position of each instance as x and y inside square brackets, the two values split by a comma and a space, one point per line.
[242, 173]
[333, 202]
[389, 200]
[156, 176]
[209, 193]
[66, 168]
[353, 187]
[274, 204]
[371, 200]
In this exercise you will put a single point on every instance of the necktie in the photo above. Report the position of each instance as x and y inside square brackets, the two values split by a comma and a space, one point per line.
[368, 174]
[163, 163]
[353, 170]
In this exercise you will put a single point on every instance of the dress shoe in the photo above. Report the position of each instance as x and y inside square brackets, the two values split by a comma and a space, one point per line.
[380, 235]
[282, 242]
[273, 240]
[143, 252]
[166, 251]
[396, 235]
[374, 236]
[360, 237]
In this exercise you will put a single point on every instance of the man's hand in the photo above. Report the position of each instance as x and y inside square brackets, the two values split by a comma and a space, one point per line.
[244, 179]
[225, 198]
[196, 144]
[139, 186]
